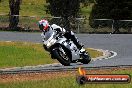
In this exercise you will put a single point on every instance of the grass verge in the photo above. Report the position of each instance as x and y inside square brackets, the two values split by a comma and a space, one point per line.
[27, 54]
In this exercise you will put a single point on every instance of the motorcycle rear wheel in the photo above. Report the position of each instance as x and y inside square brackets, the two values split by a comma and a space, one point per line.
[85, 58]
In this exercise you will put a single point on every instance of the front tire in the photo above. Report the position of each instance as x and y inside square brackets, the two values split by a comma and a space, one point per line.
[62, 56]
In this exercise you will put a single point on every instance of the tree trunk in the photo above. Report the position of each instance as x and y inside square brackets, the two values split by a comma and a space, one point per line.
[67, 24]
[14, 14]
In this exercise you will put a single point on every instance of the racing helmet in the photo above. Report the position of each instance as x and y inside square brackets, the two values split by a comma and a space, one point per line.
[43, 25]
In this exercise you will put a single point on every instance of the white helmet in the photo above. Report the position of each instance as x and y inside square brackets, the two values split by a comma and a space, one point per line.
[43, 24]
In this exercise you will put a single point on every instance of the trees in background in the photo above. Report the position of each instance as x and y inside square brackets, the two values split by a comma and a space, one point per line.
[69, 9]
[14, 6]
[87, 2]
[111, 9]
[66, 9]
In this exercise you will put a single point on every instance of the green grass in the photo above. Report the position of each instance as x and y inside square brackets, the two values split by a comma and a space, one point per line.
[4, 6]
[27, 7]
[66, 82]
[23, 54]
[34, 8]
[93, 53]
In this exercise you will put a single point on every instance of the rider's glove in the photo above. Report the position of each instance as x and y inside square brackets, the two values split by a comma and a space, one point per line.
[58, 30]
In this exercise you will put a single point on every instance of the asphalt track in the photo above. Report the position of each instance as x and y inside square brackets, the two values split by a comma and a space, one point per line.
[120, 43]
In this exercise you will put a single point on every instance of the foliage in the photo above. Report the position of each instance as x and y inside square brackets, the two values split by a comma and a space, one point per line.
[63, 8]
[111, 9]
[86, 2]
[66, 9]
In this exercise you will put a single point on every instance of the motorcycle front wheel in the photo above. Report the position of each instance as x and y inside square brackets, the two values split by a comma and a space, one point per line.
[62, 56]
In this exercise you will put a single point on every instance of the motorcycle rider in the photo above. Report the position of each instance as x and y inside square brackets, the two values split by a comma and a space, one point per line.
[44, 27]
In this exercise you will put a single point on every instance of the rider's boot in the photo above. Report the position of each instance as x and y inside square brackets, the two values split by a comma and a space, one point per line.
[82, 50]
[70, 35]
[79, 45]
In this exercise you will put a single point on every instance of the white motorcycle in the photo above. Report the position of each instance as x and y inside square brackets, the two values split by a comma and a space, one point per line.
[64, 50]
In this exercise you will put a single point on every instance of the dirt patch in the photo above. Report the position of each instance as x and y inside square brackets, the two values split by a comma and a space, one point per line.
[6, 78]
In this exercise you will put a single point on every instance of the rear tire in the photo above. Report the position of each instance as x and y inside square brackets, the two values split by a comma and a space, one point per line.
[85, 58]
[64, 59]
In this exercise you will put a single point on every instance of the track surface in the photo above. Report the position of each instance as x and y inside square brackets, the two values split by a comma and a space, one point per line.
[120, 43]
